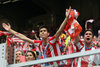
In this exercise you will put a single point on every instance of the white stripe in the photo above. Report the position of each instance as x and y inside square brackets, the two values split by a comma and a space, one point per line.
[17, 39]
[53, 41]
[92, 57]
[36, 44]
[72, 64]
[79, 62]
[76, 14]
[58, 51]
[97, 59]
[41, 50]
[53, 55]
[79, 45]
[71, 30]
[65, 61]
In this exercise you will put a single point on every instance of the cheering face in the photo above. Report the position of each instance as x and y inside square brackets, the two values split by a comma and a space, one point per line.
[88, 36]
[29, 56]
[43, 33]
[18, 54]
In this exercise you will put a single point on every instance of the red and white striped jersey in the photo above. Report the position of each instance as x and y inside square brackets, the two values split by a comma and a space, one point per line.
[86, 60]
[12, 40]
[69, 50]
[53, 49]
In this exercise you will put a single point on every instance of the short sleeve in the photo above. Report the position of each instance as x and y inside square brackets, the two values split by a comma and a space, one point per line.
[37, 42]
[52, 40]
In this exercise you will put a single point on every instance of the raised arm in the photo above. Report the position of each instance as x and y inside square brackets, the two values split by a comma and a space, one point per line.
[77, 39]
[7, 27]
[61, 29]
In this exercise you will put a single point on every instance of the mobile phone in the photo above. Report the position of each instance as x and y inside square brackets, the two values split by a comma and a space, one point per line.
[22, 58]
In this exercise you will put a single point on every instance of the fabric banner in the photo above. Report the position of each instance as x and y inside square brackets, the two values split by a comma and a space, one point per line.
[73, 28]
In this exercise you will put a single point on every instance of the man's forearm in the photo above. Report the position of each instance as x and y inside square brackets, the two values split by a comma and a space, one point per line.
[62, 26]
[77, 39]
[12, 31]
[21, 36]
[61, 29]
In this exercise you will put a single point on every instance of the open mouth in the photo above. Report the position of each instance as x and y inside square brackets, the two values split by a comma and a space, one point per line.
[88, 38]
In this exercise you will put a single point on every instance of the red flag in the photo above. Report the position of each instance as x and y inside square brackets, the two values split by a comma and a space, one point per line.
[14, 39]
[9, 41]
[18, 41]
[73, 28]
[4, 33]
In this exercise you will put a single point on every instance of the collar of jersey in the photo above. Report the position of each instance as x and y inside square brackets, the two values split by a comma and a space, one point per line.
[88, 48]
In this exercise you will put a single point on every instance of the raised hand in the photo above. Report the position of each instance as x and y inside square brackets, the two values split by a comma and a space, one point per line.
[68, 11]
[62, 26]
[6, 26]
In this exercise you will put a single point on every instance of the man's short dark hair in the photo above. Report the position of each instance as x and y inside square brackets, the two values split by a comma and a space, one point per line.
[90, 31]
[43, 26]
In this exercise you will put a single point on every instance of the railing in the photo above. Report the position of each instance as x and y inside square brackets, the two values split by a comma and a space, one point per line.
[63, 57]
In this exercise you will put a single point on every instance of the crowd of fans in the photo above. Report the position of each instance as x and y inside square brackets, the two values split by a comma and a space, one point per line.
[27, 51]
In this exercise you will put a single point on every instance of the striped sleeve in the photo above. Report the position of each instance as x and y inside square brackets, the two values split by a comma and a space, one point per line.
[52, 40]
[37, 42]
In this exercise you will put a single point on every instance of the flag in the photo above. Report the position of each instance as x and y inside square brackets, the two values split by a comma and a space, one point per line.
[72, 27]
[17, 41]
[4, 33]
